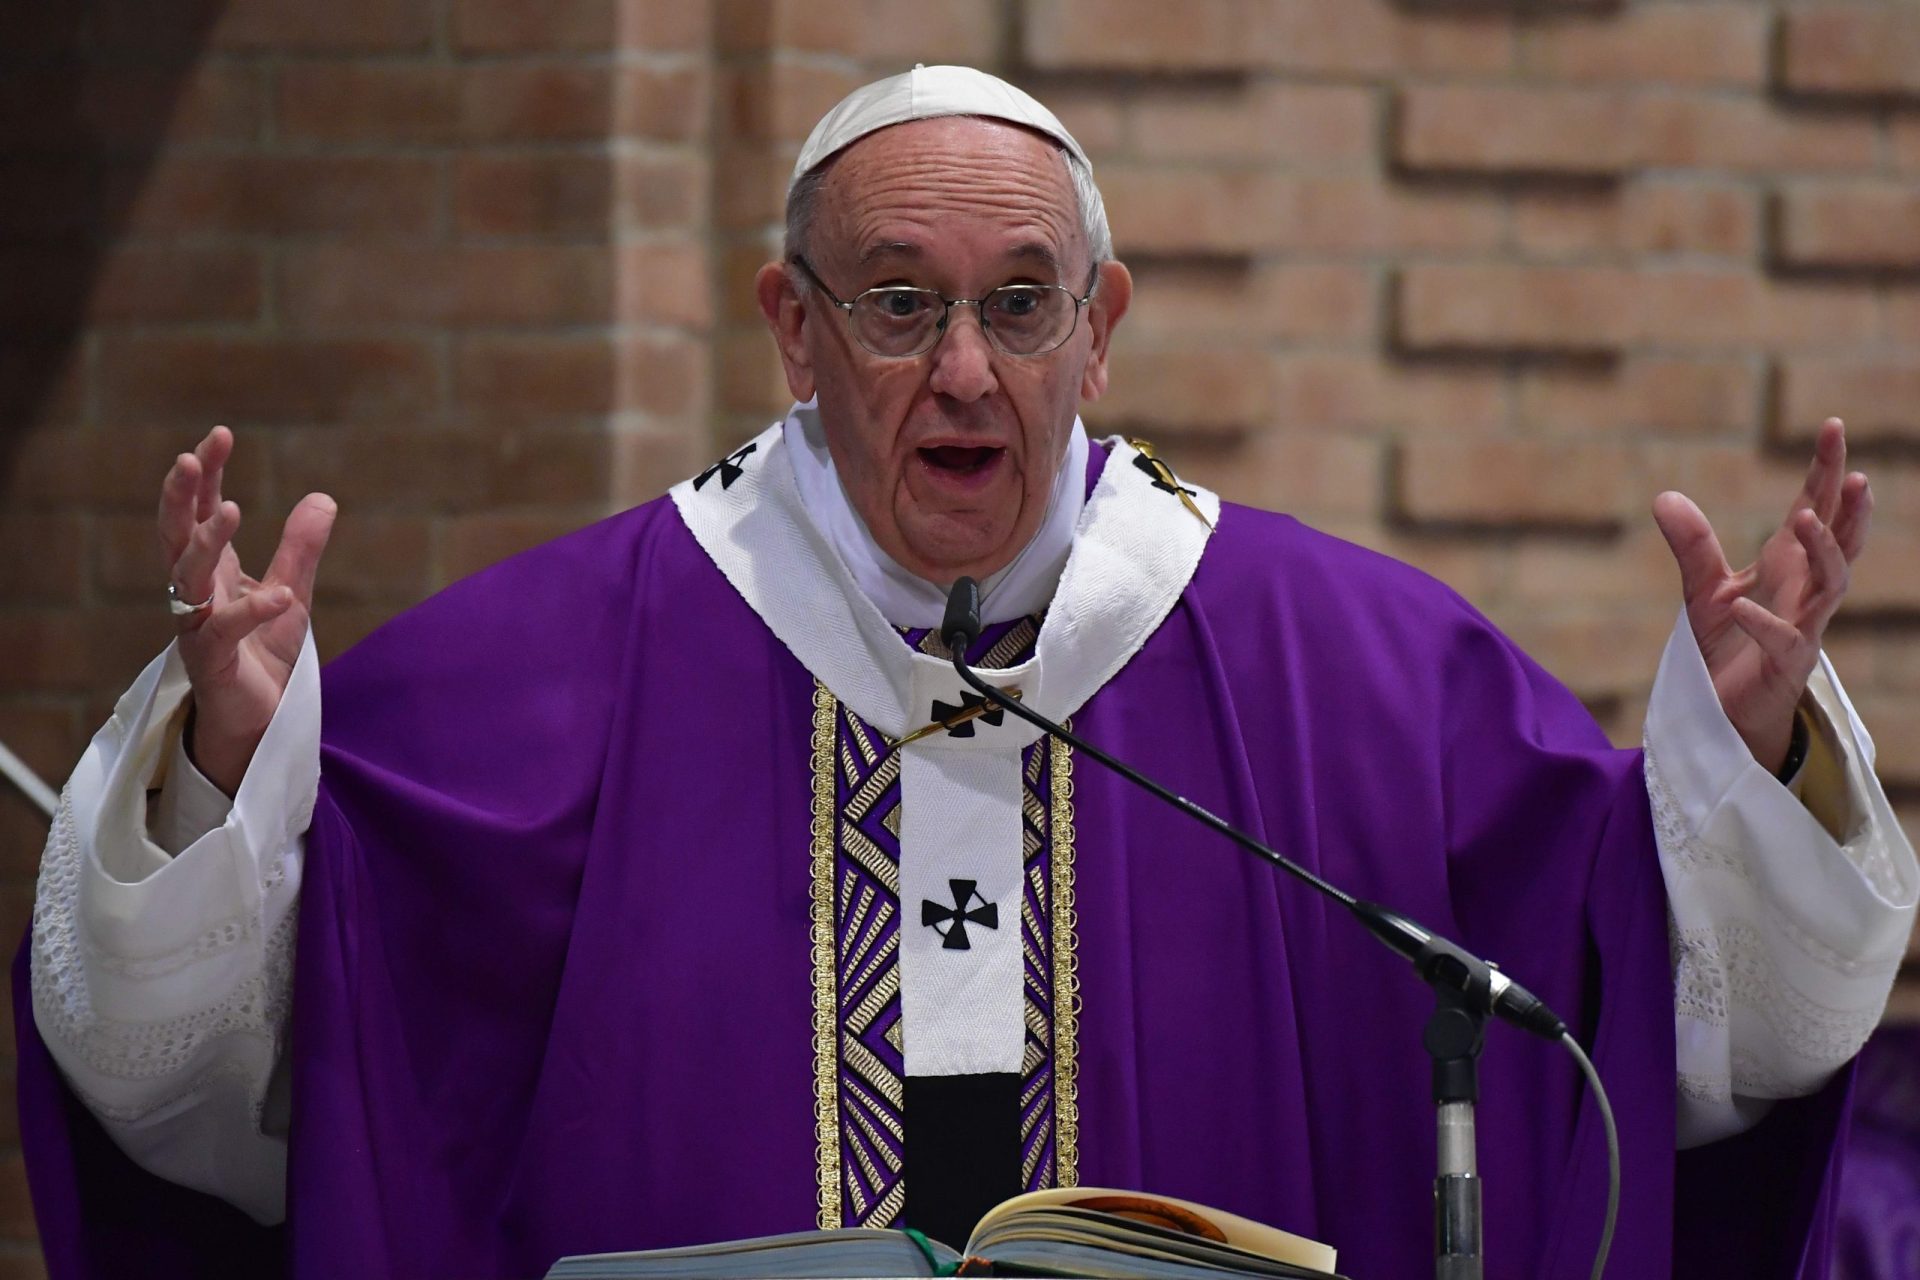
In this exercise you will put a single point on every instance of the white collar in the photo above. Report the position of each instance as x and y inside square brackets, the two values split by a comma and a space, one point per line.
[1134, 548]
[1025, 586]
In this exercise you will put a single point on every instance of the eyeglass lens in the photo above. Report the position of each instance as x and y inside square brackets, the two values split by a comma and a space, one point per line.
[1020, 320]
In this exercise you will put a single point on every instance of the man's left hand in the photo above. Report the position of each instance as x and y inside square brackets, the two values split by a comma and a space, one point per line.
[1759, 629]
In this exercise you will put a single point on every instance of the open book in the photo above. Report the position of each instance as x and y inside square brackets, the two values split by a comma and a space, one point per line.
[1071, 1231]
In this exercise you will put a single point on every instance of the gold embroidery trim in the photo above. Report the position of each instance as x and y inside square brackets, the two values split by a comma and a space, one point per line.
[1066, 974]
[826, 995]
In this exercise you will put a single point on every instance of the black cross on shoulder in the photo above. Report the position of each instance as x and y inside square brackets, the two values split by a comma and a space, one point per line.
[1161, 474]
[957, 917]
[728, 468]
[944, 713]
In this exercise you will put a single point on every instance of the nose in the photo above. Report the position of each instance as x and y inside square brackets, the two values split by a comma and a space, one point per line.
[963, 358]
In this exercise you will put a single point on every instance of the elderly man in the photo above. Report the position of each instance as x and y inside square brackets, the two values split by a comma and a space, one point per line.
[664, 884]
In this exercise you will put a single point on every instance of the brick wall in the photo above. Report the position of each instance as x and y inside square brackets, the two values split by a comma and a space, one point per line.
[1466, 282]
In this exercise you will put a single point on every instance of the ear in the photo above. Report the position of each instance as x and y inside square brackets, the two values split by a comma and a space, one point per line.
[786, 313]
[1109, 305]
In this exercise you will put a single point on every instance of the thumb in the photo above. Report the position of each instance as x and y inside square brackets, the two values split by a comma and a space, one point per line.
[302, 542]
[1703, 565]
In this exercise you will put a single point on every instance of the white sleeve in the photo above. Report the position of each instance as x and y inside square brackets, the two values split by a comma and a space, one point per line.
[1785, 939]
[162, 984]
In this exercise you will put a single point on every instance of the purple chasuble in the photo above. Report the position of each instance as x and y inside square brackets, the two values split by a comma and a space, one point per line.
[556, 989]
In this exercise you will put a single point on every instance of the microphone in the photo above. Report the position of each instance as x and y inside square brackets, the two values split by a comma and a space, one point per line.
[1443, 964]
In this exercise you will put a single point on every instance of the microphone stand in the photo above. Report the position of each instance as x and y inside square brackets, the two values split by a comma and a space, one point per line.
[1466, 989]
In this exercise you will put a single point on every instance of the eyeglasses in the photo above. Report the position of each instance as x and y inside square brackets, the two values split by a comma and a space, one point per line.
[899, 322]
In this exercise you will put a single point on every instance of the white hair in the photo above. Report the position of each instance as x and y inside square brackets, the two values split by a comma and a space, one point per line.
[804, 199]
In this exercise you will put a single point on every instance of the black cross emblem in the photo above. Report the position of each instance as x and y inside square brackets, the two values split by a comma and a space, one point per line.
[944, 711]
[729, 468]
[959, 916]
[1163, 477]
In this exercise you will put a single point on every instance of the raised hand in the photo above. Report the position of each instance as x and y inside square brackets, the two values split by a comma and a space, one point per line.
[1760, 629]
[239, 650]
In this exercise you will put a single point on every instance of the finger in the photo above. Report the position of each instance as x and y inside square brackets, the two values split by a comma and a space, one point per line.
[1827, 576]
[193, 572]
[1696, 549]
[213, 453]
[1779, 640]
[1856, 513]
[235, 620]
[297, 561]
[1821, 491]
[179, 494]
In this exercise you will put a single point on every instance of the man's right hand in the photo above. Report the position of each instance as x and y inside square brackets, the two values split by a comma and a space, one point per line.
[239, 653]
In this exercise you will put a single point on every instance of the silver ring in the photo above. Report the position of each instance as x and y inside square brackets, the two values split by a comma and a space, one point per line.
[182, 608]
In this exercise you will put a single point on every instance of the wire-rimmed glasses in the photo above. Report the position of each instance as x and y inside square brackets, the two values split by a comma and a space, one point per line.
[898, 322]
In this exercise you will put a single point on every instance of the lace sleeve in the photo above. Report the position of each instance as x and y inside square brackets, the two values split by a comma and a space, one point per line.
[1785, 940]
[160, 984]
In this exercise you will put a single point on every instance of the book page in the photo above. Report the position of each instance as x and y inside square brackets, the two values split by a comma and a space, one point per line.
[1172, 1214]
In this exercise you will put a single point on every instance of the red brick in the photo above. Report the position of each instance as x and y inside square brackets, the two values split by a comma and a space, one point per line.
[665, 282]
[129, 284]
[1672, 44]
[1318, 390]
[1475, 129]
[1903, 315]
[1731, 308]
[539, 102]
[558, 194]
[1850, 226]
[1174, 391]
[46, 651]
[1239, 212]
[749, 378]
[955, 31]
[1373, 38]
[663, 105]
[647, 463]
[531, 378]
[368, 102]
[1896, 756]
[1504, 483]
[1096, 118]
[283, 195]
[393, 469]
[346, 287]
[475, 542]
[1641, 218]
[1646, 394]
[373, 557]
[114, 107]
[1267, 122]
[1749, 135]
[1313, 476]
[1903, 134]
[1186, 301]
[665, 376]
[807, 26]
[750, 186]
[580, 26]
[45, 551]
[1597, 654]
[1576, 310]
[1879, 399]
[242, 381]
[114, 469]
[1636, 570]
[781, 101]
[667, 191]
[1851, 51]
[1136, 35]
[283, 26]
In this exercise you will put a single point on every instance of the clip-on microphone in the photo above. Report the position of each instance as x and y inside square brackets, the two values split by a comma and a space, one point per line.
[1468, 988]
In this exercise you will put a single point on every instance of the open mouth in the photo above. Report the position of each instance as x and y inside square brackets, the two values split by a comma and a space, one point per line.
[960, 459]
